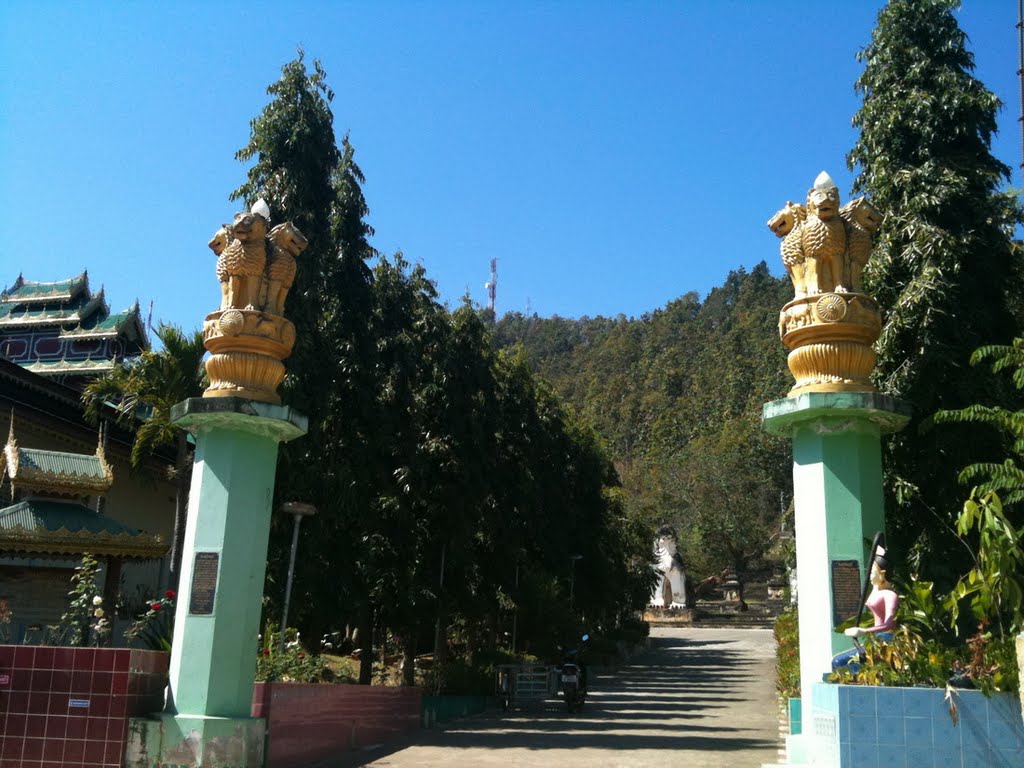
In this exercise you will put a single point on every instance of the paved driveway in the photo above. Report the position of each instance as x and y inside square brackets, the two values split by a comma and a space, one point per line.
[697, 698]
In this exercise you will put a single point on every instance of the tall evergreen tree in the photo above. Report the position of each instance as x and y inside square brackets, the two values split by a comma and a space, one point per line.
[298, 167]
[946, 266]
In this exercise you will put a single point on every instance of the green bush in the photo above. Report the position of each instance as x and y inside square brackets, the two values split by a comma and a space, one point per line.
[787, 655]
[288, 663]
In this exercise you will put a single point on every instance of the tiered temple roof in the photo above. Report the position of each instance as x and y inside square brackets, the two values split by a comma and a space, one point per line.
[52, 516]
[63, 329]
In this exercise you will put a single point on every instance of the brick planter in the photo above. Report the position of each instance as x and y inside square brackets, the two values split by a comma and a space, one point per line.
[70, 706]
[307, 723]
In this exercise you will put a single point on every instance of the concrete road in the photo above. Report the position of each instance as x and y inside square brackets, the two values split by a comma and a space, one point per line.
[701, 698]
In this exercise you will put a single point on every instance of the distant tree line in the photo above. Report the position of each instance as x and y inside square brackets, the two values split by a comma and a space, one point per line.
[677, 393]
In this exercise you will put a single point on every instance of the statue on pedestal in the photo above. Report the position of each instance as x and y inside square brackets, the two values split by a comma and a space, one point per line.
[830, 324]
[249, 336]
[883, 602]
[670, 590]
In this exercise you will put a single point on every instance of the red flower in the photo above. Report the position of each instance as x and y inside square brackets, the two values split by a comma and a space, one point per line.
[302, 655]
[265, 651]
[155, 606]
[169, 594]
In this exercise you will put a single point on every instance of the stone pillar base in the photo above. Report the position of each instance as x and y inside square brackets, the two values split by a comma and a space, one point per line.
[190, 741]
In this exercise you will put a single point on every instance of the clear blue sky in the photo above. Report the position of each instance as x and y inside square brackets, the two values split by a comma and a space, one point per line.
[612, 156]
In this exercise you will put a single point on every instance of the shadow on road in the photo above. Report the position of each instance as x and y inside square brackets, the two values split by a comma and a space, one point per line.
[677, 696]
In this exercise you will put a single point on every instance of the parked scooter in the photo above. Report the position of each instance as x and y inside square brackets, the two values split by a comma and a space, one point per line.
[573, 678]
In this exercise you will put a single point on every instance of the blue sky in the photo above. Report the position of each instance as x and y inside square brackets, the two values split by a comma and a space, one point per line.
[611, 156]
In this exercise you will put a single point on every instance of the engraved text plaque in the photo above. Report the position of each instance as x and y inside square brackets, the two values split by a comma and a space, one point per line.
[846, 588]
[204, 583]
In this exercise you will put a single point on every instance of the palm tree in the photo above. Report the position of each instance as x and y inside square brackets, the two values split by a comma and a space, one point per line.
[143, 390]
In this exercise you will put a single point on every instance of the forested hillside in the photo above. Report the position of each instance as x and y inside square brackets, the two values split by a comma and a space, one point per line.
[677, 396]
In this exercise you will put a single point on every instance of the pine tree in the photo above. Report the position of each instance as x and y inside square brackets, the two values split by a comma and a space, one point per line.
[298, 167]
[946, 264]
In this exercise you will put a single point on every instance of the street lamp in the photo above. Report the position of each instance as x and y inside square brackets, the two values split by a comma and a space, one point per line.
[572, 578]
[298, 510]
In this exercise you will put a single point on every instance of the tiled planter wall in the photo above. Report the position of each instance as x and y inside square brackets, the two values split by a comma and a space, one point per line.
[307, 723]
[70, 706]
[864, 727]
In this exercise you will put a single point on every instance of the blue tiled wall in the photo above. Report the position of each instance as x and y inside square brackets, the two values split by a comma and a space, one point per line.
[912, 728]
[795, 719]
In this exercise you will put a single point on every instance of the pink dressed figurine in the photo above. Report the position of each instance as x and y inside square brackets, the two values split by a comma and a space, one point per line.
[883, 603]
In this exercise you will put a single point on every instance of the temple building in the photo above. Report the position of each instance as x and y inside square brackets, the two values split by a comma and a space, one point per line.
[55, 519]
[67, 485]
[64, 331]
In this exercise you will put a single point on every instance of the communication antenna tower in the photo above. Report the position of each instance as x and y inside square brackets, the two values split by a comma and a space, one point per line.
[492, 286]
[1020, 74]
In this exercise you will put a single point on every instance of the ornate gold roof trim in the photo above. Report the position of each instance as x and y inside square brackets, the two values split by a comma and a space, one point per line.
[146, 546]
[30, 478]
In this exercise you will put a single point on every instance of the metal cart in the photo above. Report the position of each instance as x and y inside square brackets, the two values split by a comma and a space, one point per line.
[522, 685]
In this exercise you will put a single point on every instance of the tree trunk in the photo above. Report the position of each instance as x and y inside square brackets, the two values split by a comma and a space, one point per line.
[409, 658]
[366, 643]
[441, 637]
[180, 508]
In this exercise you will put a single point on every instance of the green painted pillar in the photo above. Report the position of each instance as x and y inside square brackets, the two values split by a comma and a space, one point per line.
[837, 487]
[213, 660]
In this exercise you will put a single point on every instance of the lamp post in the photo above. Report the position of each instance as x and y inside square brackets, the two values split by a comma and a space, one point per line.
[572, 578]
[298, 510]
[515, 615]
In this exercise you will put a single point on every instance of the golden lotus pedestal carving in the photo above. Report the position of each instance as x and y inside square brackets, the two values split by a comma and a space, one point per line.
[248, 347]
[831, 337]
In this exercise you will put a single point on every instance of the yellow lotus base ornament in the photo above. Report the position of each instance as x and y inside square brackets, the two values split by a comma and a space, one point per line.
[831, 337]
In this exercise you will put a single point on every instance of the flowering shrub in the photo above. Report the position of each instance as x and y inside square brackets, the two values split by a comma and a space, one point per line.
[155, 628]
[290, 663]
[85, 620]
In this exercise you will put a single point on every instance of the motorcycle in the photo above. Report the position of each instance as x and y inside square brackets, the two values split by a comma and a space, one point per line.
[573, 679]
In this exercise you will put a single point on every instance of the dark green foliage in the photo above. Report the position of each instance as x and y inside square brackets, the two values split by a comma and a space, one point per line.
[946, 267]
[677, 396]
[787, 655]
[305, 178]
[425, 446]
[144, 389]
[1006, 477]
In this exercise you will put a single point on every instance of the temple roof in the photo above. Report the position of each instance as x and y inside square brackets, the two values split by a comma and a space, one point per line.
[105, 325]
[87, 367]
[58, 527]
[79, 309]
[28, 292]
[72, 308]
[55, 472]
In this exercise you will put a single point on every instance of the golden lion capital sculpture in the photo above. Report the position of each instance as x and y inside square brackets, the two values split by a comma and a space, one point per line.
[249, 336]
[830, 324]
